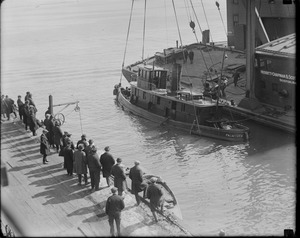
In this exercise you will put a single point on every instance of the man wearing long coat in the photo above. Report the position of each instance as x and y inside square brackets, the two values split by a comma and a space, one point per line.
[137, 184]
[119, 176]
[107, 161]
[68, 158]
[94, 166]
[57, 136]
[44, 146]
[80, 164]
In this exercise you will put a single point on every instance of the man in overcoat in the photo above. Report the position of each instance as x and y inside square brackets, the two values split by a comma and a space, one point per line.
[137, 183]
[155, 194]
[57, 136]
[68, 157]
[80, 164]
[44, 146]
[94, 166]
[119, 176]
[107, 161]
[113, 208]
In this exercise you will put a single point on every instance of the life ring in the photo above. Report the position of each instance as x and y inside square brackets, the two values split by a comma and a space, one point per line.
[60, 118]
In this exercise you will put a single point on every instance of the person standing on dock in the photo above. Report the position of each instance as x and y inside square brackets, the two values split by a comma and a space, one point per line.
[94, 166]
[57, 136]
[114, 205]
[44, 146]
[33, 126]
[119, 176]
[9, 107]
[107, 161]
[48, 123]
[80, 164]
[68, 157]
[89, 147]
[236, 77]
[155, 194]
[83, 142]
[137, 183]
[20, 107]
[191, 56]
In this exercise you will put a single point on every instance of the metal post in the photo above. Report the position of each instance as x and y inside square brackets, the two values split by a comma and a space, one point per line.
[51, 104]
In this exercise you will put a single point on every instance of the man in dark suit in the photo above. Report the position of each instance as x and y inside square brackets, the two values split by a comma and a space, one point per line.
[118, 171]
[113, 208]
[94, 166]
[44, 146]
[107, 161]
[137, 184]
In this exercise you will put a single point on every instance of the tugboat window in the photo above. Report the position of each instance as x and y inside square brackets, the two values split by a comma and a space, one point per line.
[144, 95]
[182, 107]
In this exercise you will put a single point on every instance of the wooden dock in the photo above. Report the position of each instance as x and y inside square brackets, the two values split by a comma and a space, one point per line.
[45, 201]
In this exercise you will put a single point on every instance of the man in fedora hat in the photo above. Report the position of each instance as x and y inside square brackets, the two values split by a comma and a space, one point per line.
[82, 141]
[113, 208]
[119, 176]
[89, 147]
[94, 166]
[137, 182]
[107, 161]
[44, 146]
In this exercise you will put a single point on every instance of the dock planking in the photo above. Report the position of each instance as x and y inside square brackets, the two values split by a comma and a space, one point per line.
[48, 202]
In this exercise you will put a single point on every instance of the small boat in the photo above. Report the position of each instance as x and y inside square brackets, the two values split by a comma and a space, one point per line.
[171, 205]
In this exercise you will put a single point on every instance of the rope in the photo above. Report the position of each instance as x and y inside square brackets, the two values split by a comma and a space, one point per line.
[177, 22]
[218, 6]
[78, 109]
[144, 30]
[206, 19]
[127, 39]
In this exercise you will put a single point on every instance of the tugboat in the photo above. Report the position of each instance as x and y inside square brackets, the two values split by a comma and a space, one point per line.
[155, 93]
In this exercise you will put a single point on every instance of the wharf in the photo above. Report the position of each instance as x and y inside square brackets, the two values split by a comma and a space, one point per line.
[193, 77]
[44, 201]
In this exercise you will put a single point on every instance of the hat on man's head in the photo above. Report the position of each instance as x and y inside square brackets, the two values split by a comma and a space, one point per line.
[80, 146]
[94, 149]
[66, 133]
[48, 115]
[119, 160]
[137, 162]
[91, 141]
[19, 96]
[153, 180]
[83, 136]
[114, 190]
[107, 148]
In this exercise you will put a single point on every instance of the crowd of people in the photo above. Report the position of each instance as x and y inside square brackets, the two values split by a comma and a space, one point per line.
[83, 160]
[26, 110]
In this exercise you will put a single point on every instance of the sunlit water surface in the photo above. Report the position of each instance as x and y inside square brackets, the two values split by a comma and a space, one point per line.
[74, 50]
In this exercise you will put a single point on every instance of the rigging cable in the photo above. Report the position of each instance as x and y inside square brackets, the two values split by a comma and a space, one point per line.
[144, 30]
[127, 39]
[177, 23]
[206, 19]
[77, 108]
[218, 6]
[202, 34]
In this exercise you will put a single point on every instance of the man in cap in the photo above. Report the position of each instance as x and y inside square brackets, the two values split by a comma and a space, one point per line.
[137, 183]
[94, 166]
[82, 141]
[89, 147]
[113, 208]
[119, 176]
[155, 194]
[44, 146]
[107, 161]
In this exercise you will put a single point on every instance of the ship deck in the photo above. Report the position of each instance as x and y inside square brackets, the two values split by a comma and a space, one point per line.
[193, 76]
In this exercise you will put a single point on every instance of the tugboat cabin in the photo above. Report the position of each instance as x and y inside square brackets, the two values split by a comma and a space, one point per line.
[151, 77]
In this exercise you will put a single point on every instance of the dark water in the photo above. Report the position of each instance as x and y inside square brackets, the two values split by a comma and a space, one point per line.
[74, 50]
